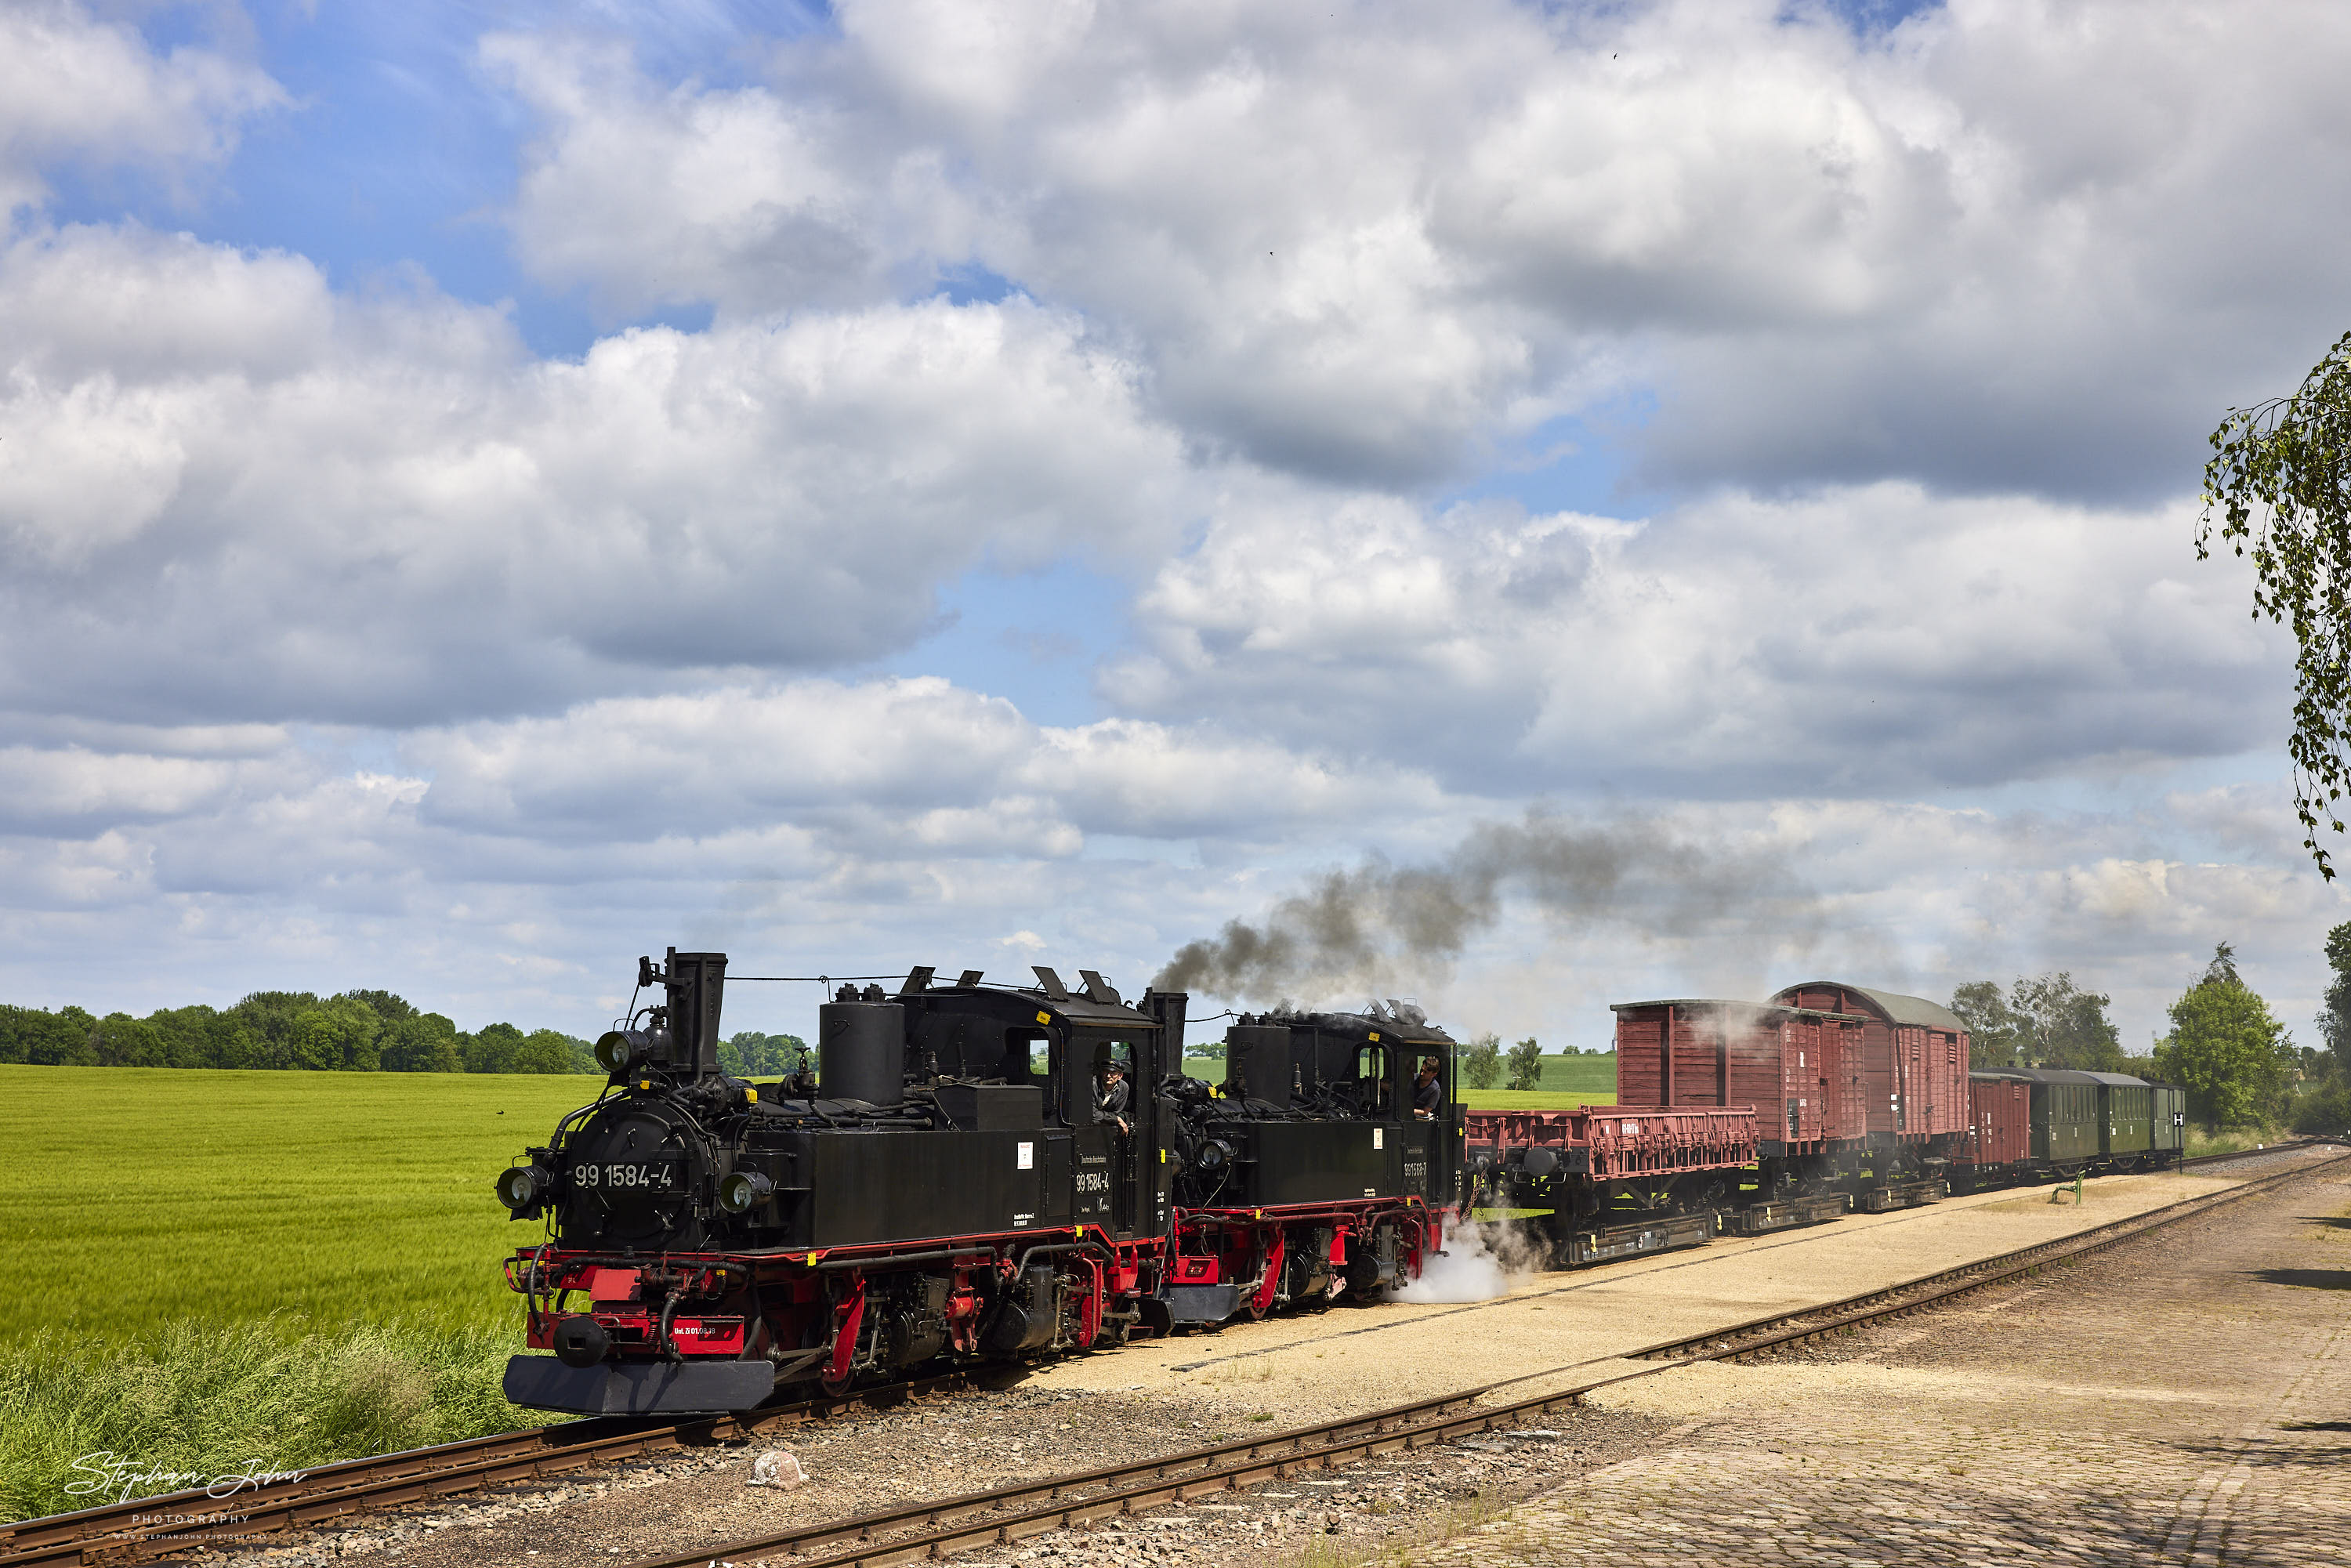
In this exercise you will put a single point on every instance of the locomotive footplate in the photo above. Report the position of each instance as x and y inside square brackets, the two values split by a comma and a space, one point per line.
[1786, 1215]
[1635, 1240]
[1902, 1194]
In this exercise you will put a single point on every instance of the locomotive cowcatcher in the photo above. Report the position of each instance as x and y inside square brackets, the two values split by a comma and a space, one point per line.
[966, 1178]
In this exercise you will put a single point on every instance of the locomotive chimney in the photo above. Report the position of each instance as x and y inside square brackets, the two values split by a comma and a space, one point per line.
[861, 1049]
[696, 983]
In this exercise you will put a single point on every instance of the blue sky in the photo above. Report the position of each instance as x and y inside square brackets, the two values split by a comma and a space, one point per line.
[490, 489]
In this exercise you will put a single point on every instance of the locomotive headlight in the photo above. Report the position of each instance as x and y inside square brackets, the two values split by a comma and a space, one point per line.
[616, 1049]
[524, 1189]
[744, 1190]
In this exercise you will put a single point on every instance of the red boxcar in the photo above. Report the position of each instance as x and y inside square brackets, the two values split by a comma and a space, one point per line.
[1913, 1058]
[1999, 1130]
[1796, 1067]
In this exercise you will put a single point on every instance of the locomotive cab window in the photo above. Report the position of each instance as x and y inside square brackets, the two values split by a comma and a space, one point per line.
[1375, 1086]
[1028, 1057]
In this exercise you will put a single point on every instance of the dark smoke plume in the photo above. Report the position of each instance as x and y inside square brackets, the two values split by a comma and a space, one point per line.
[1380, 924]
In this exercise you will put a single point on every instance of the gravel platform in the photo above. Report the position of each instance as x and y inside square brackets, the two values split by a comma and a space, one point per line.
[2181, 1399]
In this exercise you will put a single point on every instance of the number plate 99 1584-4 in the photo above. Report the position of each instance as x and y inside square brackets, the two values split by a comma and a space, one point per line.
[628, 1176]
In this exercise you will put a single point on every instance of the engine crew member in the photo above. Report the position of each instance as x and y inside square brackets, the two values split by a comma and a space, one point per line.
[1427, 1094]
[1111, 1098]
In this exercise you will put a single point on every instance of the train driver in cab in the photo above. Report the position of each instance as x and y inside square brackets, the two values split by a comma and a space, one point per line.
[1428, 1093]
[1111, 1096]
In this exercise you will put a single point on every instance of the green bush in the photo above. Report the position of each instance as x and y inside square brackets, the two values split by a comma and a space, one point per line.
[2323, 1108]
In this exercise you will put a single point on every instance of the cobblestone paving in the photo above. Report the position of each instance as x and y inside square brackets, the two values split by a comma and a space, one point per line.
[2185, 1400]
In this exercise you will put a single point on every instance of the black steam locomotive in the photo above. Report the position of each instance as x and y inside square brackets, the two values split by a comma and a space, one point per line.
[978, 1171]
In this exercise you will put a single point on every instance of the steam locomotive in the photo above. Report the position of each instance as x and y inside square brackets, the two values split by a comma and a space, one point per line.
[965, 1178]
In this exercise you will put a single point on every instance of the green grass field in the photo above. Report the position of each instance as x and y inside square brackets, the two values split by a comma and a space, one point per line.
[141, 1195]
[214, 1267]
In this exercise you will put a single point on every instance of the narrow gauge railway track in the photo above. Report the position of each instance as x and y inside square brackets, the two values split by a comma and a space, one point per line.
[2290, 1146]
[939, 1528]
[1780, 1330]
[144, 1528]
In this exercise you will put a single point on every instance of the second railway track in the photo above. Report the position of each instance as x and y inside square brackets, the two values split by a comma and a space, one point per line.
[144, 1528]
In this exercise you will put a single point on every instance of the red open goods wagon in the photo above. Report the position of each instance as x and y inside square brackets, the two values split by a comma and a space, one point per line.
[1610, 1142]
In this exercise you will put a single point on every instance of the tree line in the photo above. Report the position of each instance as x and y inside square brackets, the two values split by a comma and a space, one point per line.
[355, 1032]
[1483, 1059]
[2238, 1062]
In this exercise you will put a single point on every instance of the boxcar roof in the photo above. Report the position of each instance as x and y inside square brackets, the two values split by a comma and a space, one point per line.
[1915, 1011]
[1728, 1002]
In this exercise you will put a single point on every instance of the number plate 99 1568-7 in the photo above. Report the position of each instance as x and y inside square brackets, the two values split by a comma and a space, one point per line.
[627, 1176]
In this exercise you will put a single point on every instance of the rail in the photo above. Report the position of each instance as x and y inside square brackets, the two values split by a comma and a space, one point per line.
[140, 1528]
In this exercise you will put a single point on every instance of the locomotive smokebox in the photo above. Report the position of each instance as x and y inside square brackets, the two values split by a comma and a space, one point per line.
[1257, 1062]
[861, 1049]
